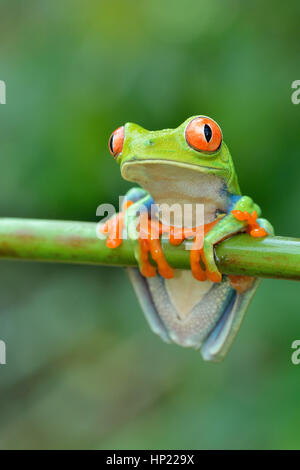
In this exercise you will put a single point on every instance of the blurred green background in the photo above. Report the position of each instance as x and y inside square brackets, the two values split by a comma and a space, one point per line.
[84, 370]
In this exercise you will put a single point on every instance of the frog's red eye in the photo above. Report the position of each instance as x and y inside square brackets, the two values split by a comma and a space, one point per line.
[203, 134]
[116, 141]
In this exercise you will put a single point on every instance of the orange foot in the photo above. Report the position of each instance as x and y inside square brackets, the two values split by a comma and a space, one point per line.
[252, 225]
[114, 227]
[199, 267]
[149, 242]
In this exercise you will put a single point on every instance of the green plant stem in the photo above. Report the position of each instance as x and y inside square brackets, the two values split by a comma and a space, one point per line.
[77, 242]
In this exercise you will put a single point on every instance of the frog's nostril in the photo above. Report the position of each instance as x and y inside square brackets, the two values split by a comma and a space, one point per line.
[116, 141]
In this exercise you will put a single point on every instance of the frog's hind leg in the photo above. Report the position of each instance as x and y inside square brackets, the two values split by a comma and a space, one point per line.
[219, 341]
[141, 288]
[202, 315]
[221, 338]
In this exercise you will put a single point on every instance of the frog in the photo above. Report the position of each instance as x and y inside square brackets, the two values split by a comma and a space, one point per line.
[190, 167]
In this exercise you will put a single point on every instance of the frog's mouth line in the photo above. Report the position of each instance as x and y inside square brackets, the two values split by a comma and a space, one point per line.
[190, 166]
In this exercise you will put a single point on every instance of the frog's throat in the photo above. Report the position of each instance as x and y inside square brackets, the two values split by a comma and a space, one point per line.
[171, 183]
[127, 165]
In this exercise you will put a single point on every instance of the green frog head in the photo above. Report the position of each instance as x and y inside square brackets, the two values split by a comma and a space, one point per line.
[194, 148]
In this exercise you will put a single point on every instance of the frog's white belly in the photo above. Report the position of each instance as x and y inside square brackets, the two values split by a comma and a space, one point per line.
[185, 292]
[189, 315]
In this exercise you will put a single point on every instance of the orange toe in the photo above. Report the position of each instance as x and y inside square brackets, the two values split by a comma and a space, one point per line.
[258, 232]
[253, 227]
[114, 227]
[150, 244]
[195, 261]
[147, 269]
[211, 275]
[157, 254]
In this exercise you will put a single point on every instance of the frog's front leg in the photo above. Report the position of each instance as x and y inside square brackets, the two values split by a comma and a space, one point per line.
[135, 221]
[243, 217]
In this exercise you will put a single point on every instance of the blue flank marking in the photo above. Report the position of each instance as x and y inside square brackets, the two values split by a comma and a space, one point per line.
[134, 194]
[233, 200]
[227, 196]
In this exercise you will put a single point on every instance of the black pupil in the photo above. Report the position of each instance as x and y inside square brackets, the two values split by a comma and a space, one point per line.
[207, 132]
[111, 142]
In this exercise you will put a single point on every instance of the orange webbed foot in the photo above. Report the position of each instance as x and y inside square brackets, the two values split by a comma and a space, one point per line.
[196, 258]
[146, 267]
[149, 243]
[252, 225]
[199, 265]
[114, 227]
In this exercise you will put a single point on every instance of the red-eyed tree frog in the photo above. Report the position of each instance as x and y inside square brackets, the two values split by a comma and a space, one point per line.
[188, 166]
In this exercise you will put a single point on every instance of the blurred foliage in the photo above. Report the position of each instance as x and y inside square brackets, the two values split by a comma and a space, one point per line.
[84, 370]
